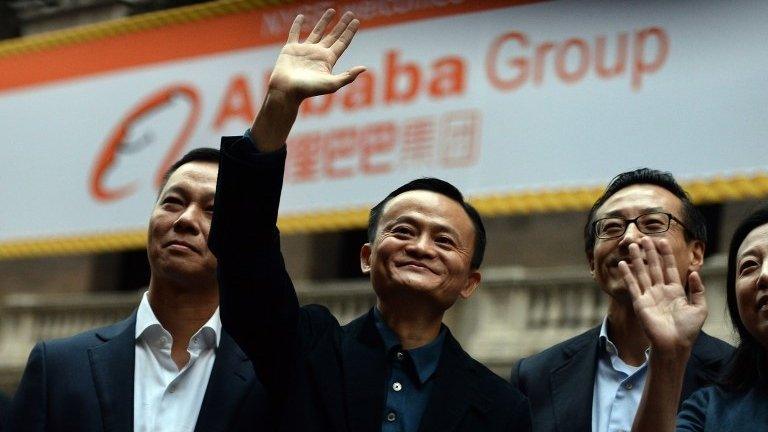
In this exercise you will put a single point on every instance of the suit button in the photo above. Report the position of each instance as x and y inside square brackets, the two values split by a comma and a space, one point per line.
[391, 417]
[397, 386]
[400, 355]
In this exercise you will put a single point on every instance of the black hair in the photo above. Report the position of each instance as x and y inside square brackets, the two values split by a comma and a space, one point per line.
[200, 154]
[744, 368]
[443, 188]
[695, 224]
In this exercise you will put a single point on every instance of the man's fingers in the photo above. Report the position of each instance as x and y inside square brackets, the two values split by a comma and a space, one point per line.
[344, 78]
[654, 261]
[345, 39]
[295, 31]
[638, 267]
[338, 29]
[671, 274]
[317, 33]
[696, 289]
[629, 280]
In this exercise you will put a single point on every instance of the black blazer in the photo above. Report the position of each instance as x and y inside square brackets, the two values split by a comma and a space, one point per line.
[322, 376]
[85, 383]
[559, 381]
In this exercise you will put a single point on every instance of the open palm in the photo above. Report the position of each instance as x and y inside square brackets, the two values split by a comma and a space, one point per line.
[304, 69]
[669, 319]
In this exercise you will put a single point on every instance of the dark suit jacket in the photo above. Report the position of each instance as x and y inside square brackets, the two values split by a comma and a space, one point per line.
[85, 383]
[320, 375]
[559, 381]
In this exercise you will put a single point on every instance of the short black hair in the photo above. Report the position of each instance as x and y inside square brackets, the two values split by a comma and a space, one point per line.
[200, 154]
[442, 187]
[748, 359]
[695, 224]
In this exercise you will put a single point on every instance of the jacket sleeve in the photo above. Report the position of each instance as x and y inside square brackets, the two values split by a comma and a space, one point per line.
[258, 303]
[515, 377]
[29, 408]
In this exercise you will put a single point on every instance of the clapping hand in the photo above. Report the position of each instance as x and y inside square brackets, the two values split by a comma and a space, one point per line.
[671, 321]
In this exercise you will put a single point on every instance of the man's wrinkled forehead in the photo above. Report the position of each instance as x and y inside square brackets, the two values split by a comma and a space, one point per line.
[195, 174]
[639, 199]
[450, 213]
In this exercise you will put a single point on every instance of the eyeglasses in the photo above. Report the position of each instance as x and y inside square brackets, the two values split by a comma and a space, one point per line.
[649, 223]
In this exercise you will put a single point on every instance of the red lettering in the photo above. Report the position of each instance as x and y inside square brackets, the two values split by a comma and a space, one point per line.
[570, 77]
[236, 103]
[360, 93]
[519, 64]
[604, 71]
[642, 67]
[338, 146]
[448, 77]
[402, 80]
[539, 62]
[378, 140]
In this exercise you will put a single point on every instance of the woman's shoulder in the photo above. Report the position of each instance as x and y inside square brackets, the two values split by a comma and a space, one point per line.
[715, 409]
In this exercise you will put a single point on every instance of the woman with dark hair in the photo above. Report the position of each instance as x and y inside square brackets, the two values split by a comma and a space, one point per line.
[672, 319]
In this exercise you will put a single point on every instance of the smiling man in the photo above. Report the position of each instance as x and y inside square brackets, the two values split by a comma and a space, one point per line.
[595, 381]
[396, 368]
[169, 366]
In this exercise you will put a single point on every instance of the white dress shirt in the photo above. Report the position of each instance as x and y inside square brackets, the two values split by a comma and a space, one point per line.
[164, 397]
[618, 388]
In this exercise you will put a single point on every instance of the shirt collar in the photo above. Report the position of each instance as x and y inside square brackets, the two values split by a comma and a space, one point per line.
[149, 327]
[425, 358]
[608, 346]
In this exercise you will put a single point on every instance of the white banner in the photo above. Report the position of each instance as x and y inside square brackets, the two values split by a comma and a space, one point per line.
[524, 98]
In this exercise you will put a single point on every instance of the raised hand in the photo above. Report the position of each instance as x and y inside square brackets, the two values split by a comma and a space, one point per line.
[669, 319]
[304, 69]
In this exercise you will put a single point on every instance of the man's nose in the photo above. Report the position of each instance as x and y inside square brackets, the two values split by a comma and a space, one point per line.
[188, 220]
[631, 235]
[422, 245]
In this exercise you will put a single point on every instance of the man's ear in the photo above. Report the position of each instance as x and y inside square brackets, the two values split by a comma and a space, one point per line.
[591, 260]
[473, 281]
[697, 255]
[365, 258]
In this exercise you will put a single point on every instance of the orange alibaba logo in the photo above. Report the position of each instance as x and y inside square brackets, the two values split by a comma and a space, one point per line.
[116, 143]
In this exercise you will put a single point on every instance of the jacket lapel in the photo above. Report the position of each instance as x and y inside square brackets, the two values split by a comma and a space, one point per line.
[231, 378]
[112, 365]
[455, 390]
[572, 384]
[364, 366]
[329, 382]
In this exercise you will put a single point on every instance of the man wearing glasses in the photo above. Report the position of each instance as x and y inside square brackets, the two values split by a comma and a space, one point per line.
[594, 381]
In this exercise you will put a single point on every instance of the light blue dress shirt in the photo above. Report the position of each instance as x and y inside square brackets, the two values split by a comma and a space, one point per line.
[618, 388]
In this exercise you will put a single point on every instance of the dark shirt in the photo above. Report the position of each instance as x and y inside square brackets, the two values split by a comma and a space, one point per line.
[409, 382]
[712, 409]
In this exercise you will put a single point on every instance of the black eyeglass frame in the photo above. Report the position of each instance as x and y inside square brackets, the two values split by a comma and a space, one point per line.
[634, 221]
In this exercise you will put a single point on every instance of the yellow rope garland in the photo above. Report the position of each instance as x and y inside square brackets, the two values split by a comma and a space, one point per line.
[120, 26]
[703, 191]
[578, 199]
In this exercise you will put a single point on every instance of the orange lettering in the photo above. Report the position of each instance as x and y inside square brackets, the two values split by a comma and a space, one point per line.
[520, 64]
[398, 74]
[360, 93]
[570, 77]
[236, 104]
[448, 78]
[642, 67]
